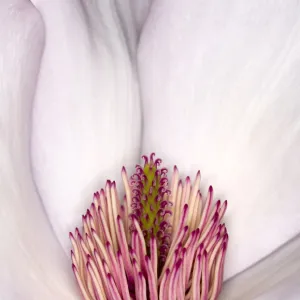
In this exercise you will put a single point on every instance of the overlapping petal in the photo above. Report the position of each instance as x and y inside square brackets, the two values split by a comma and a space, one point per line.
[33, 264]
[220, 85]
[86, 117]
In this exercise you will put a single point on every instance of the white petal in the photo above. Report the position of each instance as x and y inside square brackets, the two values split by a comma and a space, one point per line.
[140, 11]
[275, 277]
[221, 89]
[33, 264]
[86, 121]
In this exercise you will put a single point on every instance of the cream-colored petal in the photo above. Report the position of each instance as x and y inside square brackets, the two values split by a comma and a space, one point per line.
[33, 265]
[221, 86]
[86, 118]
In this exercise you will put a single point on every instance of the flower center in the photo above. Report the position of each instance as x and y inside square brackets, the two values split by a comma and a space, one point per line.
[146, 249]
[150, 203]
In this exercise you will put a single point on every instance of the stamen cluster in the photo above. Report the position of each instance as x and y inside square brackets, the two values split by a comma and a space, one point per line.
[163, 242]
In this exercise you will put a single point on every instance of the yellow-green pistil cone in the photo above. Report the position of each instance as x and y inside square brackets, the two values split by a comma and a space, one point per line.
[150, 203]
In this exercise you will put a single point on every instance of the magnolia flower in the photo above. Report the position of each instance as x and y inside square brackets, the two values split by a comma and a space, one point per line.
[165, 242]
[86, 86]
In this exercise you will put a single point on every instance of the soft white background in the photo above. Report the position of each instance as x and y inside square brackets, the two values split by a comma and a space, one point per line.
[87, 86]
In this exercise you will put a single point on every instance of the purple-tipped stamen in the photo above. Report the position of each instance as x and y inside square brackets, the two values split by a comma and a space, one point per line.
[163, 242]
